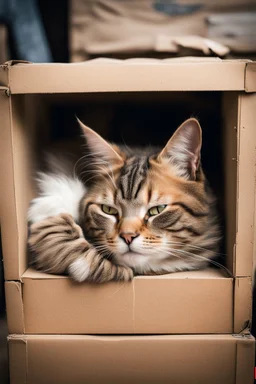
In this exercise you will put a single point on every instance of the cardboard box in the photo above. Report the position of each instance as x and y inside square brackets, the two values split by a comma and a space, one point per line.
[186, 302]
[210, 359]
[159, 28]
[195, 302]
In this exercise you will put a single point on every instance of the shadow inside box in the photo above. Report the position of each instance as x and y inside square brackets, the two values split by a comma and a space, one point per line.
[3, 350]
[3, 328]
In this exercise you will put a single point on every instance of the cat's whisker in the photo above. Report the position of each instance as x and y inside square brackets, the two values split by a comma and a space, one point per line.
[90, 178]
[192, 246]
[111, 179]
[82, 158]
[104, 171]
[189, 254]
[169, 253]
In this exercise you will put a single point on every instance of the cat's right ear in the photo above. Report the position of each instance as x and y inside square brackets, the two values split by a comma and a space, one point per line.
[183, 149]
[100, 148]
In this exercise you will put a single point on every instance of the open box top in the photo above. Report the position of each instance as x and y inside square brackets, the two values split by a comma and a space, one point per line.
[236, 80]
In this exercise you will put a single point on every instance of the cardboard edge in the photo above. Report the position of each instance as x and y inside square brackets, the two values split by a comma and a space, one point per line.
[8, 212]
[14, 307]
[246, 181]
[250, 77]
[11, 63]
[5, 72]
[127, 77]
[242, 304]
[245, 355]
[18, 366]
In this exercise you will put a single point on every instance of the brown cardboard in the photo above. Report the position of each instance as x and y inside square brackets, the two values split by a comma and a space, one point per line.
[246, 158]
[185, 302]
[250, 77]
[198, 302]
[242, 304]
[111, 27]
[230, 112]
[17, 359]
[183, 359]
[129, 75]
[15, 171]
[14, 307]
[240, 153]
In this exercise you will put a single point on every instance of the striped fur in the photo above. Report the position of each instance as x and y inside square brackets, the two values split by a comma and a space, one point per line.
[59, 247]
[183, 236]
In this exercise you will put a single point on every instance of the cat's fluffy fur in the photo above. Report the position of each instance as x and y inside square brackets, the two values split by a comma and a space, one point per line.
[58, 193]
[105, 231]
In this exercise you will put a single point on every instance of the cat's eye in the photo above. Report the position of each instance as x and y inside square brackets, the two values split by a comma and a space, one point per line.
[156, 210]
[109, 210]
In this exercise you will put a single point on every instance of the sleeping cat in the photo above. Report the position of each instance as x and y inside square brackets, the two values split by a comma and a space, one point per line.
[127, 213]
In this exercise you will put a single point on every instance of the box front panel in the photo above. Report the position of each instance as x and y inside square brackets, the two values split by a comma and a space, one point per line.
[198, 302]
[148, 359]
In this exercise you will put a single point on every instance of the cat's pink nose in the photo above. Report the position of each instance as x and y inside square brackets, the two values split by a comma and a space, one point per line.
[128, 237]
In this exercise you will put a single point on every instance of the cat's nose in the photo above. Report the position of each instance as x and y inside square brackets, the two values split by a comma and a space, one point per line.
[128, 237]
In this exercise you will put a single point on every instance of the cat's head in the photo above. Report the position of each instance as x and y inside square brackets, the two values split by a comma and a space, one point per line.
[141, 210]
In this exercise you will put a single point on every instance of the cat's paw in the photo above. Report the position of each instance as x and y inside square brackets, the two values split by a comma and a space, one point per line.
[79, 269]
[62, 224]
[55, 242]
[124, 273]
[103, 271]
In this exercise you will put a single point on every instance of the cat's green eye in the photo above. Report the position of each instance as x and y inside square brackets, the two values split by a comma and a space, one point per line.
[109, 210]
[156, 210]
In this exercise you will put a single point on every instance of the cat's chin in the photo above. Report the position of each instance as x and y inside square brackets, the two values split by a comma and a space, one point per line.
[133, 259]
[132, 254]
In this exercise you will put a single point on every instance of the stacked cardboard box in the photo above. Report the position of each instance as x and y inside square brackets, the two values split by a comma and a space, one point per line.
[179, 328]
[160, 28]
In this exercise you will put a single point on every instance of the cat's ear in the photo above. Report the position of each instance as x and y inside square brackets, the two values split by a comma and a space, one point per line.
[183, 149]
[99, 147]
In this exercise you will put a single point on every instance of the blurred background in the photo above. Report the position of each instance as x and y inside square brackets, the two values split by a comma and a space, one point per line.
[80, 30]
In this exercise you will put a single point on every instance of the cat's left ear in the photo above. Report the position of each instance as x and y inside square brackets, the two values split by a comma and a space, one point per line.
[183, 149]
[100, 148]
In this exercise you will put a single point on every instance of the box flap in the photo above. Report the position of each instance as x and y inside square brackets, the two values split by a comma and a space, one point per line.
[207, 273]
[126, 76]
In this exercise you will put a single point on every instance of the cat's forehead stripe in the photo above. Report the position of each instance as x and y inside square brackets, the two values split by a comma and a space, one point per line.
[133, 176]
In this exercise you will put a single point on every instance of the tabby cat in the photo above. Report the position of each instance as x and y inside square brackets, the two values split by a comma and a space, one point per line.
[126, 213]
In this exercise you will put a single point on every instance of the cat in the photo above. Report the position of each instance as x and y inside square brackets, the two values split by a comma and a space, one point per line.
[126, 213]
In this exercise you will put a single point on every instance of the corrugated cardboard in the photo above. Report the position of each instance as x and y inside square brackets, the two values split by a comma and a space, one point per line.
[211, 359]
[242, 304]
[195, 302]
[111, 76]
[128, 75]
[14, 307]
[185, 302]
